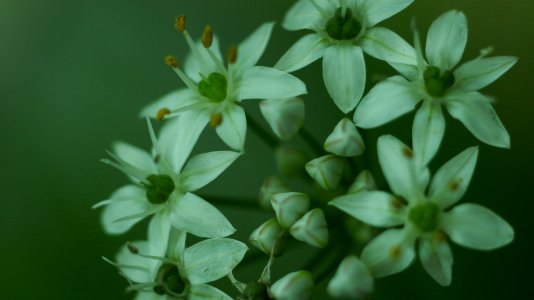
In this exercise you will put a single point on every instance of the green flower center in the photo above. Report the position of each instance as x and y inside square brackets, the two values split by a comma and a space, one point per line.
[159, 188]
[437, 82]
[425, 216]
[169, 280]
[214, 87]
[343, 27]
[255, 291]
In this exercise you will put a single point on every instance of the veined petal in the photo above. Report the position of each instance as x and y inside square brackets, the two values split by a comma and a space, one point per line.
[451, 180]
[206, 292]
[410, 72]
[372, 207]
[196, 216]
[251, 49]
[135, 156]
[480, 72]
[302, 15]
[344, 75]
[269, 83]
[475, 112]
[436, 257]
[233, 128]
[129, 200]
[427, 131]
[388, 253]
[136, 268]
[384, 44]
[212, 259]
[194, 66]
[158, 232]
[386, 101]
[285, 116]
[476, 227]
[203, 168]
[379, 10]
[446, 40]
[174, 100]
[306, 50]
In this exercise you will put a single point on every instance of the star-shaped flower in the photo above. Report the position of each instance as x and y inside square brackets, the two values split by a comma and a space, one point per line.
[343, 30]
[424, 216]
[439, 82]
[215, 91]
[163, 186]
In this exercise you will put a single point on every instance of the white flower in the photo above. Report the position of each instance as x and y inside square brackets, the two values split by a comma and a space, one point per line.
[440, 82]
[163, 186]
[343, 30]
[423, 216]
[215, 91]
[182, 273]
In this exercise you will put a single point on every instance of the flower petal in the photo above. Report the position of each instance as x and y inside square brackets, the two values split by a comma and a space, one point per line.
[285, 116]
[206, 292]
[194, 66]
[446, 40]
[203, 168]
[174, 100]
[436, 257]
[251, 49]
[212, 259]
[149, 296]
[233, 128]
[302, 15]
[306, 50]
[352, 280]
[476, 227]
[140, 268]
[384, 44]
[198, 217]
[388, 253]
[269, 83]
[135, 156]
[374, 208]
[158, 232]
[129, 200]
[386, 101]
[344, 75]
[379, 10]
[480, 72]
[475, 112]
[451, 180]
[427, 131]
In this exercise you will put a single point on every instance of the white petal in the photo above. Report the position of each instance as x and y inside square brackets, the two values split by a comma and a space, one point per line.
[206, 292]
[386, 101]
[379, 10]
[179, 136]
[269, 83]
[212, 259]
[374, 208]
[306, 50]
[135, 156]
[451, 180]
[149, 296]
[293, 286]
[427, 131]
[480, 72]
[311, 228]
[477, 227]
[251, 49]
[289, 207]
[388, 253]
[196, 216]
[193, 67]
[326, 171]
[436, 257]
[203, 168]
[285, 116]
[475, 112]
[384, 44]
[176, 245]
[302, 15]
[345, 140]
[141, 267]
[158, 232]
[446, 39]
[352, 280]
[410, 72]
[173, 100]
[233, 129]
[344, 75]
[127, 201]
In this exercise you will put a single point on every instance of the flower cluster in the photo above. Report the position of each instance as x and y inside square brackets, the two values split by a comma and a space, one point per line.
[325, 196]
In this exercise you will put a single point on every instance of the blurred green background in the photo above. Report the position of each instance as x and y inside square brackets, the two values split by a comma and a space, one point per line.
[74, 74]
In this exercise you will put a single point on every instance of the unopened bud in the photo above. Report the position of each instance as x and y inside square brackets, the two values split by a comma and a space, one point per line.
[363, 182]
[345, 140]
[162, 113]
[207, 36]
[271, 186]
[326, 171]
[352, 280]
[290, 207]
[265, 237]
[293, 286]
[180, 23]
[290, 161]
[285, 116]
[311, 229]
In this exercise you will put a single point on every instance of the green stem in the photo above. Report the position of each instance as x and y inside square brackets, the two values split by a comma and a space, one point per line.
[263, 134]
[331, 267]
[311, 141]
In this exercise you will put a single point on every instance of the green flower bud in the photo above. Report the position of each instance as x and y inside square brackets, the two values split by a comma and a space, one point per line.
[352, 280]
[290, 161]
[326, 171]
[293, 286]
[265, 237]
[363, 182]
[311, 229]
[345, 140]
[289, 207]
[271, 185]
[285, 116]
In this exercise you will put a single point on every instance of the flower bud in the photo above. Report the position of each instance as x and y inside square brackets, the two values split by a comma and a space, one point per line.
[352, 280]
[289, 207]
[293, 286]
[285, 116]
[363, 182]
[345, 140]
[311, 229]
[265, 237]
[290, 161]
[326, 170]
[271, 185]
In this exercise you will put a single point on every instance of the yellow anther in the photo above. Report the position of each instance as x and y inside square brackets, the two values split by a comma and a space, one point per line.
[407, 152]
[180, 23]
[215, 120]
[232, 54]
[171, 61]
[162, 113]
[207, 36]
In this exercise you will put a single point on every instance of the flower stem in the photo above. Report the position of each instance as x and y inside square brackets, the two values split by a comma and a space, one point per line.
[311, 141]
[263, 134]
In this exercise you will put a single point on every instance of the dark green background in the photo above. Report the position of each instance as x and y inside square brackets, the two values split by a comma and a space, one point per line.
[74, 74]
